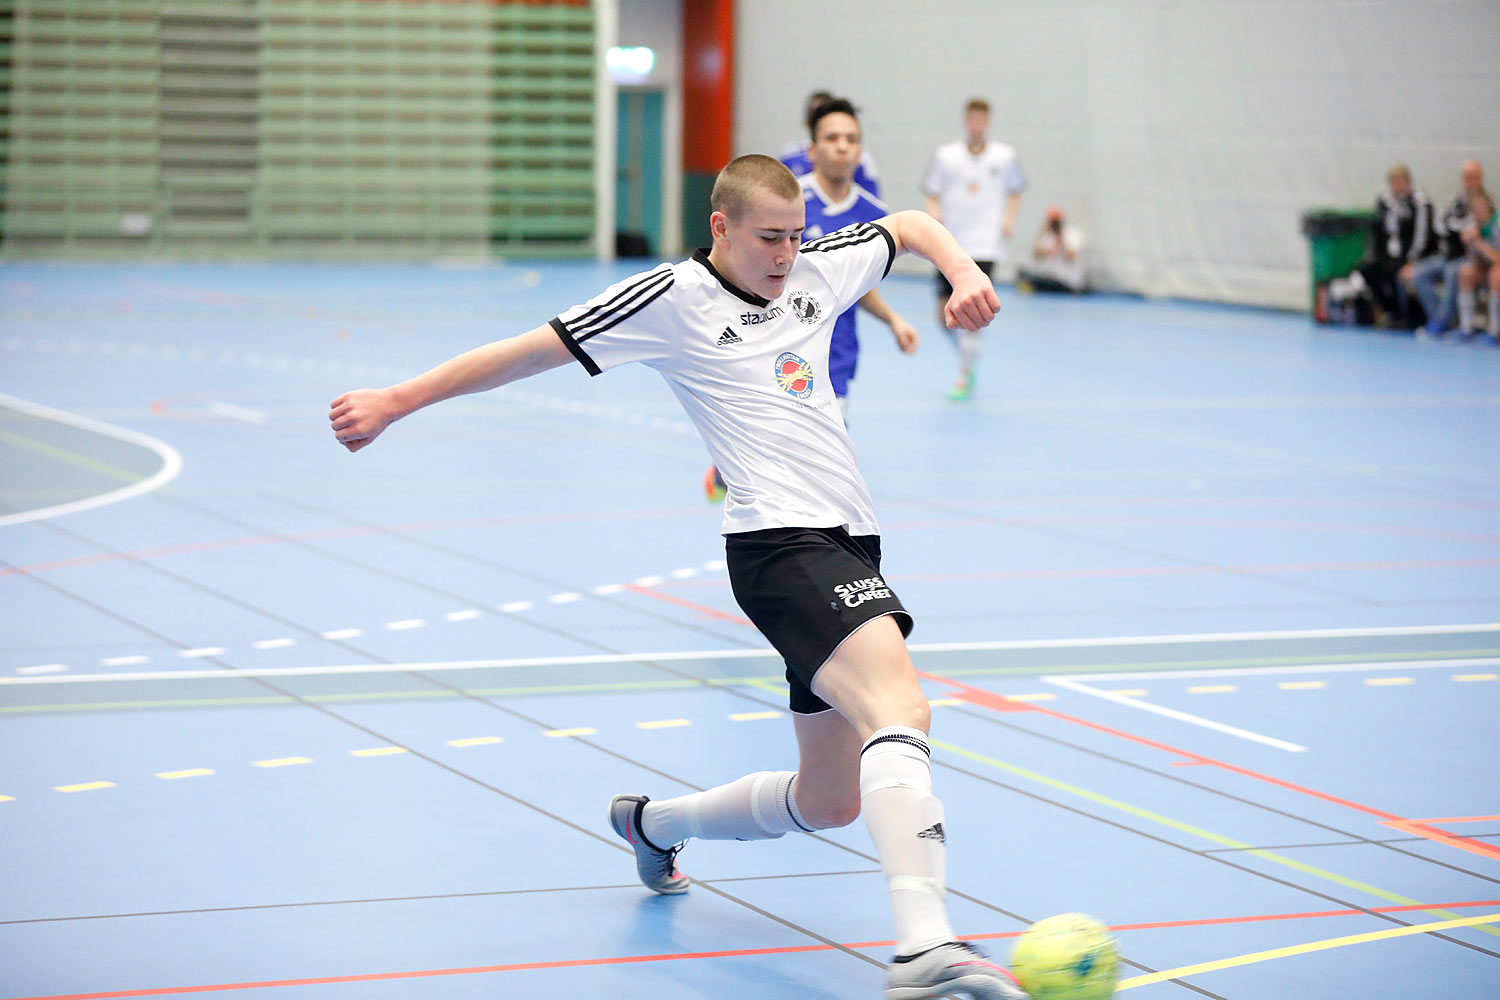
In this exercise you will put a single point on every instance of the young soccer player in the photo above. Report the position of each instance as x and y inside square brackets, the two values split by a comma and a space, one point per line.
[741, 333]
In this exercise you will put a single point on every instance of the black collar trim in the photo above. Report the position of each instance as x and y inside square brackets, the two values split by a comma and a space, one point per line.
[701, 256]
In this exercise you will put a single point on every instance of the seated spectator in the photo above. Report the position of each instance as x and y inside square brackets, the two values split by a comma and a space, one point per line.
[1056, 257]
[1435, 277]
[1480, 268]
[1400, 237]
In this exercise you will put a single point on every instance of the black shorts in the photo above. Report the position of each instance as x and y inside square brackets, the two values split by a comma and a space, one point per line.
[944, 289]
[807, 590]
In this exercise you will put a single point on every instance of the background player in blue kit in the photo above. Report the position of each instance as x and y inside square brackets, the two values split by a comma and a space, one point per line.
[797, 159]
[836, 199]
[740, 334]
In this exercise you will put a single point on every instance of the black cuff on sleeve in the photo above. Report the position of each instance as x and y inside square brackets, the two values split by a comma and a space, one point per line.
[890, 246]
[578, 352]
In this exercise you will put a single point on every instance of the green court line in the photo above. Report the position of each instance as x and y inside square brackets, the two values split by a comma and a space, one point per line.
[1189, 829]
[770, 683]
[70, 457]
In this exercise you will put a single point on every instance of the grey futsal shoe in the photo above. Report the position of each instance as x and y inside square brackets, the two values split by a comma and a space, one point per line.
[656, 867]
[955, 970]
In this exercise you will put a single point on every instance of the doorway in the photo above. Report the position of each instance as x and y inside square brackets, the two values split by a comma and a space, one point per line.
[638, 172]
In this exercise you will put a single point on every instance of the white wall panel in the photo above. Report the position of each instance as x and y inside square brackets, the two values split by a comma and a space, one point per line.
[1186, 136]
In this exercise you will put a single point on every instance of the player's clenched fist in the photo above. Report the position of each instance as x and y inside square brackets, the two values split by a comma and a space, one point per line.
[358, 417]
[973, 303]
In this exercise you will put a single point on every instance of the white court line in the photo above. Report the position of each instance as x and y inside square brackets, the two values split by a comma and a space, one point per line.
[1172, 713]
[1309, 668]
[171, 462]
[233, 412]
[763, 653]
[1169, 640]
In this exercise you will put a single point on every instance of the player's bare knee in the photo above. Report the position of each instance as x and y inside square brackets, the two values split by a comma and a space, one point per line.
[832, 812]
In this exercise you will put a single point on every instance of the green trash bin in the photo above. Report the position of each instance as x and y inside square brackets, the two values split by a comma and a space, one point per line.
[1337, 238]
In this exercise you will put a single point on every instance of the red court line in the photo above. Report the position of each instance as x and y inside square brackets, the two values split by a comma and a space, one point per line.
[414, 527]
[681, 602]
[1000, 703]
[737, 953]
[1424, 828]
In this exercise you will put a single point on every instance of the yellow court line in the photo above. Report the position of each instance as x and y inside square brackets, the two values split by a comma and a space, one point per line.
[1476, 677]
[86, 786]
[663, 724]
[1211, 688]
[1039, 696]
[283, 761]
[475, 741]
[1302, 685]
[1388, 681]
[377, 752]
[1303, 949]
[7, 798]
[579, 731]
[192, 772]
[754, 716]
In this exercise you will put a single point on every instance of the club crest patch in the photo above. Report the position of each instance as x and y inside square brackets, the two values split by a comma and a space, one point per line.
[805, 307]
[794, 375]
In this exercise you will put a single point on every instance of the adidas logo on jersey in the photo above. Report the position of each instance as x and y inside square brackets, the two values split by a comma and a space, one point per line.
[934, 832]
[728, 337]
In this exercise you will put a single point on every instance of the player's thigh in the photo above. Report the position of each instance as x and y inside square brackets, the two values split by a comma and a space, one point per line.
[871, 680]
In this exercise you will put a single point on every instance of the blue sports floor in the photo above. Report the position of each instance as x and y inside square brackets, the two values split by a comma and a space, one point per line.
[1207, 599]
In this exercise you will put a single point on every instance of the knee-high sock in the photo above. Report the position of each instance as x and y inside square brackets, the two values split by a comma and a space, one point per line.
[968, 352]
[1494, 313]
[759, 806]
[1466, 307]
[906, 823]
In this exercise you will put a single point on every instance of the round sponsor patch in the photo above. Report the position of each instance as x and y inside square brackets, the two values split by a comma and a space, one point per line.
[805, 307]
[794, 375]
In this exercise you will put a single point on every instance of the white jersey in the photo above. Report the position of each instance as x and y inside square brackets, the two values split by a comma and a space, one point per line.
[752, 374]
[972, 189]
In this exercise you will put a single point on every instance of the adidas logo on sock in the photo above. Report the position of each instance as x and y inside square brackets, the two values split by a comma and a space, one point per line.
[934, 832]
[728, 337]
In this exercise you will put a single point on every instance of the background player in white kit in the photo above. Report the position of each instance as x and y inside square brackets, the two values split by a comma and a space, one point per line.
[741, 336]
[973, 186]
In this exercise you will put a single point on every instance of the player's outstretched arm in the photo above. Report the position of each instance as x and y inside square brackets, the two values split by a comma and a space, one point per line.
[973, 303]
[358, 417]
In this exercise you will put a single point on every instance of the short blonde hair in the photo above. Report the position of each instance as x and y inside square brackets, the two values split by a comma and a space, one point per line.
[738, 182]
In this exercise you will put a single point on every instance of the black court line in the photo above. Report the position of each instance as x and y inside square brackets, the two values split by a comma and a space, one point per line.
[1054, 531]
[470, 557]
[1076, 810]
[498, 707]
[1356, 838]
[478, 894]
[1342, 843]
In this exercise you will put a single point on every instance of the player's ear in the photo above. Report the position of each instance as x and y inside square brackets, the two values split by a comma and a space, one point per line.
[718, 225]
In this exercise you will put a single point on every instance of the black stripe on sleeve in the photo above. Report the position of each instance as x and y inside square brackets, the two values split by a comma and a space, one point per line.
[601, 324]
[577, 351]
[588, 323]
[854, 235]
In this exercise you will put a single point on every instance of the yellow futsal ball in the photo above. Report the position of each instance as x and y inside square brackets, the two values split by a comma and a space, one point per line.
[1067, 957]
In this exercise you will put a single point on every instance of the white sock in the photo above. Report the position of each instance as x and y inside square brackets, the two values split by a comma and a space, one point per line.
[759, 806]
[906, 823]
[1494, 314]
[968, 352]
[1466, 306]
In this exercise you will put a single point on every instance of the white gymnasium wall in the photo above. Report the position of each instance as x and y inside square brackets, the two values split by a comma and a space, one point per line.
[1185, 136]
